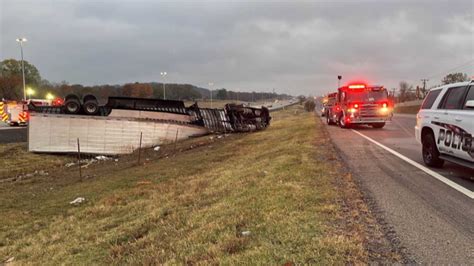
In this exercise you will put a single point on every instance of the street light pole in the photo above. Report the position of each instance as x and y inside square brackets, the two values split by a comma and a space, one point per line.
[21, 41]
[210, 87]
[163, 74]
[339, 81]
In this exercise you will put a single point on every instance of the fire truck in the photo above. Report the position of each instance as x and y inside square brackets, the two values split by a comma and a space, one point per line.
[360, 104]
[14, 113]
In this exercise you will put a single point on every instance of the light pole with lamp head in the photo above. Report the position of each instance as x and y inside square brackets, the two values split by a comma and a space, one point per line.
[210, 87]
[21, 41]
[163, 74]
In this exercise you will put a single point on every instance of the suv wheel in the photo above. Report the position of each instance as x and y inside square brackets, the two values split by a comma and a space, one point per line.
[430, 151]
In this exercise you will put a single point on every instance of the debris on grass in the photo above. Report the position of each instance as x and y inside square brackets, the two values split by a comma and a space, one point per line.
[77, 201]
[157, 148]
[245, 233]
[87, 163]
[102, 158]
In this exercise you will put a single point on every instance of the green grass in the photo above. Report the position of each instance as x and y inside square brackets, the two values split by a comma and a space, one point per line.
[190, 205]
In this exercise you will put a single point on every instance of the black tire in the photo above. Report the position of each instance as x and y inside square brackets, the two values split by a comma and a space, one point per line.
[430, 151]
[342, 122]
[91, 107]
[328, 119]
[378, 125]
[72, 106]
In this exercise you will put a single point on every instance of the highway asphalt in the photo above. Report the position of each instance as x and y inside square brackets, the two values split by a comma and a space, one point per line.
[429, 219]
[12, 134]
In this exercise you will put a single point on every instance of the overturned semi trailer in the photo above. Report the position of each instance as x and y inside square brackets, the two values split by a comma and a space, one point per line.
[117, 126]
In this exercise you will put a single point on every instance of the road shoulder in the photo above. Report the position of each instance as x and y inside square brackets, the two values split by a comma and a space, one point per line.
[360, 210]
[417, 222]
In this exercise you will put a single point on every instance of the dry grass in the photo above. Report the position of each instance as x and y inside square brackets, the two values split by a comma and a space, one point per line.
[407, 109]
[15, 160]
[261, 198]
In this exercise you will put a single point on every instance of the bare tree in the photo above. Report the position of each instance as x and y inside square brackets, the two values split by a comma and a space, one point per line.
[405, 92]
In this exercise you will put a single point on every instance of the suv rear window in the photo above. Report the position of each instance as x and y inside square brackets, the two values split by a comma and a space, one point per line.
[453, 99]
[430, 99]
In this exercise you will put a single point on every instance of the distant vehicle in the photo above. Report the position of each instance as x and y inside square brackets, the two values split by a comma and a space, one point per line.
[360, 104]
[445, 125]
[328, 103]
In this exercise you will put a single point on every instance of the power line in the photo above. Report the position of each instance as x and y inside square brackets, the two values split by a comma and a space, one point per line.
[454, 68]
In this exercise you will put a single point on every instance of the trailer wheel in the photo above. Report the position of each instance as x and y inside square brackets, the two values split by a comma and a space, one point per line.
[72, 106]
[91, 107]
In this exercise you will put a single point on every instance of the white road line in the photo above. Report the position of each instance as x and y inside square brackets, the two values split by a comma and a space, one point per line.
[432, 173]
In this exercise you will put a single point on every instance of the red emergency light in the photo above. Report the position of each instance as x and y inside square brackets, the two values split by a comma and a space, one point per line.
[58, 102]
[357, 86]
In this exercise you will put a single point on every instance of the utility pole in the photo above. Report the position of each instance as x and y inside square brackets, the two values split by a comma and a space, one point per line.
[424, 86]
[339, 81]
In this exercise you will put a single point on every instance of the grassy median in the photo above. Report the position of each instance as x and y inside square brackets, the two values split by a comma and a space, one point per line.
[261, 198]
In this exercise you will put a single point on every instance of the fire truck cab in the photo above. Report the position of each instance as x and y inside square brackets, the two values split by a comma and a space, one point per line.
[361, 104]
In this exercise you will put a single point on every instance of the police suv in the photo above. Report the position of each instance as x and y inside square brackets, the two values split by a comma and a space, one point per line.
[445, 125]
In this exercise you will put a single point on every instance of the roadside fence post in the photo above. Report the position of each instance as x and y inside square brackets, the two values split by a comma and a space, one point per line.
[79, 159]
[140, 148]
[176, 139]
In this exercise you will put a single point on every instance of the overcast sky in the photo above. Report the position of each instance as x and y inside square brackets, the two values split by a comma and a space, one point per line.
[294, 47]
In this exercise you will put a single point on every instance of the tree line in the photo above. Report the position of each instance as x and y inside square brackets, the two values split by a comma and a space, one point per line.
[407, 92]
[11, 88]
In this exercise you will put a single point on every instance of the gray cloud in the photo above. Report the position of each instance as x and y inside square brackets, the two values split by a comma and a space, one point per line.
[295, 47]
